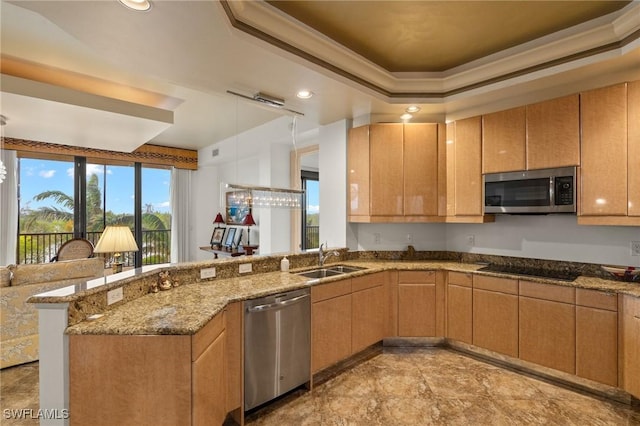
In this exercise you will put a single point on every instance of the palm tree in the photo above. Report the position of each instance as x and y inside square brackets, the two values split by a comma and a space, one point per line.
[97, 218]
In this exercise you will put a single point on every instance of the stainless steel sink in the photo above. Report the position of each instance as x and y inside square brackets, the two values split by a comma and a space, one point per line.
[330, 271]
[319, 273]
[346, 269]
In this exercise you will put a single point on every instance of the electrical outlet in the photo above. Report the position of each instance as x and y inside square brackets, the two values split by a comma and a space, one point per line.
[114, 296]
[245, 268]
[471, 240]
[409, 238]
[376, 238]
[207, 273]
[635, 248]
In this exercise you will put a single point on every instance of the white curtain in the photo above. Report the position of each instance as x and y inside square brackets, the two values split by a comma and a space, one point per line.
[180, 219]
[8, 208]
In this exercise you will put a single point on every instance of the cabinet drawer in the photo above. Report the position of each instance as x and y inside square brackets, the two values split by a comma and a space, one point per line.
[502, 285]
[416, 277]
[367, 281]
[597, 299]
[207, 334]
[464, 279]
[554, 293]
[330, 290]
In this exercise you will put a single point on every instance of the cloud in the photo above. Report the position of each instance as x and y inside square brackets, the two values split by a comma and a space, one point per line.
[47, 174]
[313, 209]
[165, 204]
[92, 169]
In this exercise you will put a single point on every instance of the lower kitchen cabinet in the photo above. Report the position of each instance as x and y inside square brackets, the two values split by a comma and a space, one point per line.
[460, 307]
[330, 324]
[150, 379]
[597, 336]
[369, 311]
[630, 345]
[416, 304]
[495, 314]
[209, 385]
[548, 326]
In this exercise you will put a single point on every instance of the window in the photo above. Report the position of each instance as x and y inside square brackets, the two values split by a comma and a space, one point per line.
[131, 194]
[311, 210]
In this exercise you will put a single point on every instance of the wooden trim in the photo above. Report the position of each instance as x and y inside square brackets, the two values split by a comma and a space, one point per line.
[609, 220]
[146, 154]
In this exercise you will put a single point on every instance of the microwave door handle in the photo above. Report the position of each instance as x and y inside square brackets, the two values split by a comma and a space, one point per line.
[552, 191]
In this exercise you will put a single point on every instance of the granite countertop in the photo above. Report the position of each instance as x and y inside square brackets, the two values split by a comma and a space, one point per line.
[186, 309]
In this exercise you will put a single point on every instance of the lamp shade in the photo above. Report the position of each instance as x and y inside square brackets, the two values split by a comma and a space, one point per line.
[116, 239]
[218, 219]
[248, 220]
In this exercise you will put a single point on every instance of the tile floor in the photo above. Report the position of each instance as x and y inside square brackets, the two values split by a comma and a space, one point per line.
[402, 386]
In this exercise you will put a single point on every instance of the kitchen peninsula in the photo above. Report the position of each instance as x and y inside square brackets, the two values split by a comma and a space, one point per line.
[176, 356]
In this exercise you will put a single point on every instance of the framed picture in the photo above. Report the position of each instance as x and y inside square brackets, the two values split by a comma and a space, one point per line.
[237, 207]
[229, 241]
[217, 236]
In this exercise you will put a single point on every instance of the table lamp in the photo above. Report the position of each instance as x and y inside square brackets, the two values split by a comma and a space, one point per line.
[218, 220]
[116, 239]
[248, 222]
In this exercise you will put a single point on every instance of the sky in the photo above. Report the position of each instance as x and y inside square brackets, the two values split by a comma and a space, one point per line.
[37, 176]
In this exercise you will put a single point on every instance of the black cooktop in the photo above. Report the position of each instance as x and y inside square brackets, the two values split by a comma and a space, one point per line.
[532, 272]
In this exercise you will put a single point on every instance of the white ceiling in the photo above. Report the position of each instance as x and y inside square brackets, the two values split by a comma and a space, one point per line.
[189, 54]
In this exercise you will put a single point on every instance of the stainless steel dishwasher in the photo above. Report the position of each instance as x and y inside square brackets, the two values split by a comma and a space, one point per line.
[277, 345]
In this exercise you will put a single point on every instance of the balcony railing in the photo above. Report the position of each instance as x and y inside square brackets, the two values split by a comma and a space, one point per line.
[311, 237]
[41, 248]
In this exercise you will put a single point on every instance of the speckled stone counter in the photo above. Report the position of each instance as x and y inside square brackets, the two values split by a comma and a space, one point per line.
[186, 309]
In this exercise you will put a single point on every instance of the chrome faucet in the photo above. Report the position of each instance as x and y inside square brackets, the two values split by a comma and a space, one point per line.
[322, 257]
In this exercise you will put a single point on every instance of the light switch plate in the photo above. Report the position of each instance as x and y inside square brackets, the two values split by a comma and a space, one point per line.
[245, 268]
[114, 296]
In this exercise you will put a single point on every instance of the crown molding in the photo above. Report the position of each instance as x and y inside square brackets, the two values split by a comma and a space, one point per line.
[609, 36]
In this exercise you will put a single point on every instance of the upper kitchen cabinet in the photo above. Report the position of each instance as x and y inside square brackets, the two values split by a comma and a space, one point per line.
[503, 141]
[464, 171]
[394, 172]
[421, 169]
[608, 192]
[553, 133]
[633, 147]
[358, 170]
[386, 168]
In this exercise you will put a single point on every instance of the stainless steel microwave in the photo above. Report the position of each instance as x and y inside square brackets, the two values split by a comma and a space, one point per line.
[531, 192]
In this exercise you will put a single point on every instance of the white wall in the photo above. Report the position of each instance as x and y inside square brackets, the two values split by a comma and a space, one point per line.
[205, 199]
[553, 237]
[556, 237]
[332, 160]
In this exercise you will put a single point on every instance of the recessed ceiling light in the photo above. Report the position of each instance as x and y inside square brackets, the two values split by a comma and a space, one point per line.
[304, 94]
[406, 116]
[413, 108]
[141, 5]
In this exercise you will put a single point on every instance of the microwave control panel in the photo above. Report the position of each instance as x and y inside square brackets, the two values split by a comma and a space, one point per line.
[564, 190]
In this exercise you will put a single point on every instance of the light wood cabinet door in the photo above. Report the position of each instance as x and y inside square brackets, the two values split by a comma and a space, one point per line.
[386, 169]
[330, 331]
[416, 310]
[460, 313]
[358, 171]
[368, 317]
[633, 133]
[604, 152]
[209, 390]
[630, 344]
[129, 380]
[547, 333]
[503, 141]
[597, 345]
[468, 167]
[553, 133]
[495, 321]
[421, 169]
[234, 356]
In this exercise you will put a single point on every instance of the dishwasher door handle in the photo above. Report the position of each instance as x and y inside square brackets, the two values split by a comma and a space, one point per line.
[276, 305]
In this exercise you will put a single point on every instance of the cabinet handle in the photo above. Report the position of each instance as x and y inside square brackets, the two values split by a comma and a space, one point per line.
[636, 317]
